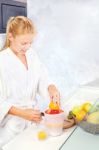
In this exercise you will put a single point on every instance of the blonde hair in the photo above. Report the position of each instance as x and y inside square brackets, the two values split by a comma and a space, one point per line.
[18, 25]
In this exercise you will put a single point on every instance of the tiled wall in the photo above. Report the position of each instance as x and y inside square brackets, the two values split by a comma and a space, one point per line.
[67, 40]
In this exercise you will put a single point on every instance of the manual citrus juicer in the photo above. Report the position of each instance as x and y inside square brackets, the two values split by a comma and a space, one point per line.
[54, 119]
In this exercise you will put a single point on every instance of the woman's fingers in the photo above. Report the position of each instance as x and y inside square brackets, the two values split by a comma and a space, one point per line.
[54, 93]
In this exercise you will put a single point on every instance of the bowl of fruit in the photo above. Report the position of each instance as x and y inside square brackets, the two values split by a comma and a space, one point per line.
[90, 123]
[86, 116]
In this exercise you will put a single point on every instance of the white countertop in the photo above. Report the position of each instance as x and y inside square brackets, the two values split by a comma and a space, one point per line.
[28, 140]
[83, 140]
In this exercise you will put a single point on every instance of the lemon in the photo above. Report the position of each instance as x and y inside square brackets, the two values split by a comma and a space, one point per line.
[80, 115]
[87, 106]
[76, 109]
[53, 106]
[42, 135]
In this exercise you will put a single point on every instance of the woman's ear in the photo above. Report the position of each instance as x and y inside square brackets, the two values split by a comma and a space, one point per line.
[10, 37]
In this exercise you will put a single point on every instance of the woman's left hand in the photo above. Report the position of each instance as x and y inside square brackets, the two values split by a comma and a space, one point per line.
[54, 93]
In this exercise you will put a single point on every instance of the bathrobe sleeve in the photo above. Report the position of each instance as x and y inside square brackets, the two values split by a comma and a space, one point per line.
[5, 103]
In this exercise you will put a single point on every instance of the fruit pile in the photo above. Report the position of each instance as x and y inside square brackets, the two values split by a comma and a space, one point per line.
[79, 112]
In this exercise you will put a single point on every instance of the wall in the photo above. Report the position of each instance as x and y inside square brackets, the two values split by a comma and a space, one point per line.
[20, 0]
[67, 40]
[2, 39]
[25, 1]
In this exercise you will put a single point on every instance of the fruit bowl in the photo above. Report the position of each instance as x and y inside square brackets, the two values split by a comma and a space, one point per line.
[89, 127]
[90, 123]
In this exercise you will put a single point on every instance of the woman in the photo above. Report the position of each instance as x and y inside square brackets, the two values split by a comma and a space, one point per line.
[22, 76]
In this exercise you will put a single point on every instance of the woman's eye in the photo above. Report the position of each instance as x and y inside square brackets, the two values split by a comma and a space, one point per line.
[26, 44]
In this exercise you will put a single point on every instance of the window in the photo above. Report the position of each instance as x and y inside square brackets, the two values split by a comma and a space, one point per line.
[10, 8]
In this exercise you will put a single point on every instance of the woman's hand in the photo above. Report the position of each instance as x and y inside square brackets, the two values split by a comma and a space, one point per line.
[54, 93]
[32, 115]
[28, 114]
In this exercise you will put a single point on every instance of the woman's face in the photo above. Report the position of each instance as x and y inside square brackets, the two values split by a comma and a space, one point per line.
[21, 43]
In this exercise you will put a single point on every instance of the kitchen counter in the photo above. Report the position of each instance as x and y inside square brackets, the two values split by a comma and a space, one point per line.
[81, 140]
[28, 140]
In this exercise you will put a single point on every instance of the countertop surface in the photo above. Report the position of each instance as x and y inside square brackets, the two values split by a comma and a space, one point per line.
[81, 140]
[28, 140]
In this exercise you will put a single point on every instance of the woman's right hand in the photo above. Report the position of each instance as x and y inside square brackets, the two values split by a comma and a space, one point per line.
[31, 114]
[28, 114]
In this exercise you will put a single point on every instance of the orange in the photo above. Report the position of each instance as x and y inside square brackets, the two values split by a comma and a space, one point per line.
[53, 106]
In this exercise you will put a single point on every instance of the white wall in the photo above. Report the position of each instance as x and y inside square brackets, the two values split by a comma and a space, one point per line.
[2, 40]
[67, 40]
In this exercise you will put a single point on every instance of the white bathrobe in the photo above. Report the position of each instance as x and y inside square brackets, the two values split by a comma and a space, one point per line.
[18, 87]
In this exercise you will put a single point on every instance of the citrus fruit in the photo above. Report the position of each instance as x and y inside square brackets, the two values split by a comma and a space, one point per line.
[80, 115]
[42, 135]
[53, 106]
[87, 106]
[76, 109]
